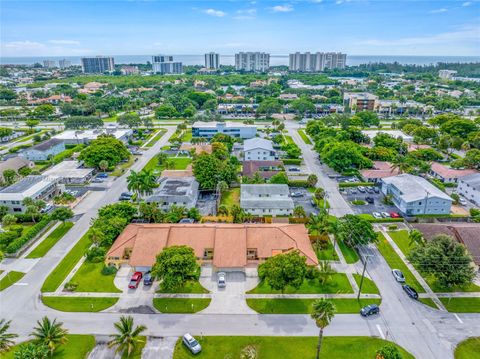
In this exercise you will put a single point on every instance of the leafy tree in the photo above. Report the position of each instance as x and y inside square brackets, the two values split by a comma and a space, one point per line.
[269, 106]
[292, 150]
[206, 169]
[5, 132]
[325, 271]
[342, 156]
[33, 207]
[128, 337]
[302, 106]
[104, 148]
[131, 120]
[444, 258]
[194, 213]
[9, 176]
[51, 334]
[284, 270]
[299, 211]
[83, 122]
[8, 220]
[458, 127]
[319, 193]
[32, 123]
[43, 111]
[323, 311]
[6, 338]
[312, 180]
[166, 110]
[174, 214]
[103, 165]
[7, 94]
[354, 230]
[61, 214]
[175, 266]
[32, 351]
[279, 178]
[368, 118]
[388, 351]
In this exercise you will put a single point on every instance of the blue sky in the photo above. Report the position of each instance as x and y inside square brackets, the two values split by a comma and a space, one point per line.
[129, 27]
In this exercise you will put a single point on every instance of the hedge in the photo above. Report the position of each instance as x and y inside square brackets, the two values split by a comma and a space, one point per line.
[26, 218]
[299, 183]
[370, 218]
[18, 148]
[292, 161]
[67, 153]
[356, 184]
[29, 235]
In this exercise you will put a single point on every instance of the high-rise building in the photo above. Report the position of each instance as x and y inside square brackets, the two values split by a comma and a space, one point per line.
[212, 60]
[252, 61]
[99, 64]
[49, 64]
[316, 62]
[64, 63]
[447, 74]
[165, 65]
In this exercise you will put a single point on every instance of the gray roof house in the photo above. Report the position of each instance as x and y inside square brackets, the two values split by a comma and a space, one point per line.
[175, 191]
[469, 187]
[258, 149]
[414, 195]
[43, 151]
[266, 199]
[14, 163]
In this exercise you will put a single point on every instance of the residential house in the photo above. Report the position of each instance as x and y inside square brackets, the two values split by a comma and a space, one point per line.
[469, 187]
[258, 149]
[43, 151]
[266, 199]
[447, 174]
[14, 163]
[226, 247]
[35, 187]
[179, 191]
[265, 169]
[71, 137]
[70, 172]
[380, 170]
[234, 129]
[414, 195]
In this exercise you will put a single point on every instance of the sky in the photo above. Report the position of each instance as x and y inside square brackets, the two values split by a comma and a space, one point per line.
[143, 27]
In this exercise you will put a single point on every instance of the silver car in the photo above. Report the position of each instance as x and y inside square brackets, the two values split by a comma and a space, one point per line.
[398, 275]
[221, 279]
[191, 343]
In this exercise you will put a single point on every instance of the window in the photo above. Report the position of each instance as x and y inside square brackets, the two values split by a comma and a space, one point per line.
[252, 253]
[208, 253]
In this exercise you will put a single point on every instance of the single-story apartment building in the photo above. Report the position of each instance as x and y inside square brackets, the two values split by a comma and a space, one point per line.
[14, 163]
[71, 137]
[265, 169]
[234, 129]
[258, 149]
[266, 199]
[198, 147]
[381, 169]
[469, 187]
[414, 195]
[34, 187]
[70, 172]
[447, 174]
[179, 191]
[228, 247]
[43, 151]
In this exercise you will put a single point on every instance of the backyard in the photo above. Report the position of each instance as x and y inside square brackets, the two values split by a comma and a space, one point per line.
[230, 197]
[89, 278]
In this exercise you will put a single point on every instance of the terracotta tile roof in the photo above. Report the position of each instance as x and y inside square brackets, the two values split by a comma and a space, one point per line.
[414, 147]
[250, 167]
[229, 241]
[199, 148]
[178, 173]
[446, 172]
[380, 169]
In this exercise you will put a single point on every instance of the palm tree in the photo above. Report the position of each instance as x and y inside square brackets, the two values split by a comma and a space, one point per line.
[103, 165]
[49, 333]
[416, 237]
[134, 182]
[323, 312]
[401, 164]
[6, 339]
[128, 337]
[148, 181]
[96, 236]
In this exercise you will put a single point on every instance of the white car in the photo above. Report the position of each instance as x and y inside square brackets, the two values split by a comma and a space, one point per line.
[376, 215]
[221, 279]
[385, 214]
[191, 343]
[462, 201]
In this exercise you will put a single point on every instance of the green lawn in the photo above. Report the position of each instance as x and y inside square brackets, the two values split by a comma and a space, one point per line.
[50, 241]
[10, 278]
[60, 272]
[368, 286]
[179, 163]
[123, 166]
[429, 302]
[350, 254]
[189, 287]
[89, 278]
[230, 197]
[327, 254]
[304, 137]
[180, 305]
[468, 349]
[462, 305]
[286, 347]
[137, 353]
[79, 304]
[395, 262]
[187, 135]
[401, 240]
[338, 283]
[289, 140]
[76, 347]
[156, 137]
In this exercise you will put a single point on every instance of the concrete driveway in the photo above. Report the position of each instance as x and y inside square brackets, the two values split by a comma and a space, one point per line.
[231, 299]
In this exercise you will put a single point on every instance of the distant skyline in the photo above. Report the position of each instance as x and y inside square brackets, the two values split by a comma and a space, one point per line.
[142, 27]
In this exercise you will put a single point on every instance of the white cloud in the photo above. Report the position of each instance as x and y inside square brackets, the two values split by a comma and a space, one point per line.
[282, 8]
[338, 2]
[64, 42]
[24, 45]
[439, 11]
[467, 3]
[213, 12]
[246, 14]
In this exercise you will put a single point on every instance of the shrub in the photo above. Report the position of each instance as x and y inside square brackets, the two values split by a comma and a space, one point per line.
[358, 202]
[95, 254]
[312, 272]
[392, 227]
[109, 270]
[299, 183]
[292, 161]
[355, 184]
[27, 236]
[70, 286]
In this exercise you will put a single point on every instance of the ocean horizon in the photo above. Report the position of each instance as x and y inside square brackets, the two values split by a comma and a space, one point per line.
[275, 60]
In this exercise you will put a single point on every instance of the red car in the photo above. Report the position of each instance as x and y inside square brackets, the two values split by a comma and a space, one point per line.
[135, 280]
[394, 215]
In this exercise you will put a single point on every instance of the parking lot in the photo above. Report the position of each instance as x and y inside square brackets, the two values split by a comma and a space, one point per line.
[303, 198]
[351, 194]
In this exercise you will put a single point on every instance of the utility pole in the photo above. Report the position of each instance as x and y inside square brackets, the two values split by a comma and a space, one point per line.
[363, 276]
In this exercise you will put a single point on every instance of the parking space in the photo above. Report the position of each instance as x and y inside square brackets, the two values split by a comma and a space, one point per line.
[207, 203]
[377, 205]
[76, 191]
[301, 197]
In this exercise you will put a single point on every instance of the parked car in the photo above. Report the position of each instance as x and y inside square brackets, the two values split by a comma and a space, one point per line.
[147, 278]
[191, 343]
[376, 189]
[102, 175]
[385, 214]
[221, 279]
[412, 293]
[398, 275]
[369, 310]
[394, 215]
[376, 215]
[353, 191]
[47, 208]
[97, 180]
[361, 189]
[369, 189]
[369, 200]
[296, 194]
[187, 220]
[462, 201]
[125, 196]
[294, 169]
[135, 280]
[313, 203]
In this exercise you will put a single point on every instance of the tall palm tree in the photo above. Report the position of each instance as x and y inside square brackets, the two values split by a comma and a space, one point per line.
[148, 181]
[400, 163]
[416, 237]
[134, 182]
[128, 337]
[49, 333]
[323, 311]
[6, 339]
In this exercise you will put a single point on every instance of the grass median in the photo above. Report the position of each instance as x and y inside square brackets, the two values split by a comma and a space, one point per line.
[156, 137]
[462, 305]
[43, 248]
[10, 279]
[368, 286]
[468, 349]
[338, 283]
[79, 304]
[350, 254]
[304, 137]
[181, 305]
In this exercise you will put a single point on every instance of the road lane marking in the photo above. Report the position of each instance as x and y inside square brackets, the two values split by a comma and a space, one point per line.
[380, 331]
[458, 318]
[21, 283]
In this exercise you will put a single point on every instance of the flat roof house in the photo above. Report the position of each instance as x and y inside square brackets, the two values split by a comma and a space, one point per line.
[265, 169]
[266, 199]
[43, 151]
[380, 170]
[35, 187]
[179, 191]
[225, 246]
[14, 163]
[72, 137]
[258, 149]
[234, 129]
[70, 172]
[469, 187]
[447, 174]
[414, 195]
